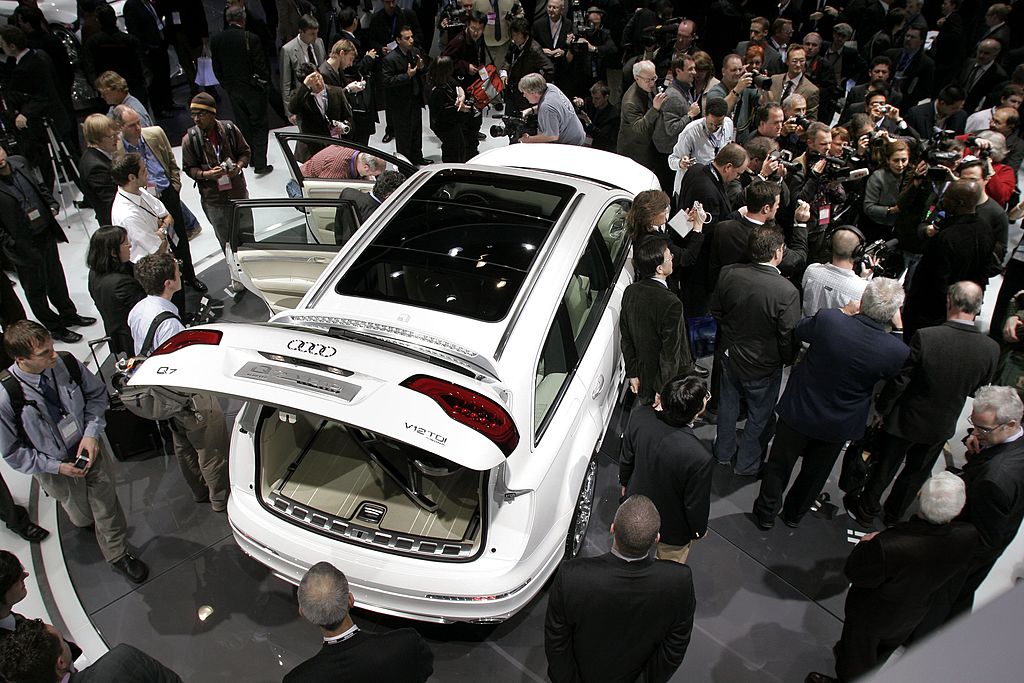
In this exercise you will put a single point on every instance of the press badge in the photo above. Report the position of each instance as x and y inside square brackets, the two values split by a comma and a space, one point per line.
[33, 215]
[224, 183]
[492, 18]
[69, 430]
[824, 214]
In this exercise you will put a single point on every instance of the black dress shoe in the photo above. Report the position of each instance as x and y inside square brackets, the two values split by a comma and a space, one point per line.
[82, 204]
[264, 170]
[65, 335]
[815, 677]
[422, 162]
[388, 137]
[198, 285]
[134, 569]
[698, 371]
[33, 533]
[789, 522]
[763, 524]
[857, 512]
[78, 320]
[480, 136]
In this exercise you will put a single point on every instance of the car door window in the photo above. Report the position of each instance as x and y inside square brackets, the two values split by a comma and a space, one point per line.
[587, 290]
[612, 227]
[554, 369]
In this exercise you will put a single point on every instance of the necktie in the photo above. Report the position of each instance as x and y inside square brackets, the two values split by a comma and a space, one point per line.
[972, 79]
[497, 19]
[904, 62]
[787, 88]
[310, 56]
[52, 399]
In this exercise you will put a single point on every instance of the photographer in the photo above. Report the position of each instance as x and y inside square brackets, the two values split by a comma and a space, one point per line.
[556, 117]
[961, 249]
[677, 112]
[766, 163]
[740, 92]
[595, 50]
[600, 117]
[884, 116]
[795, 124]
[836, 284]
[990, 212]
[469, 55]
[1000, 179]
[524, 56]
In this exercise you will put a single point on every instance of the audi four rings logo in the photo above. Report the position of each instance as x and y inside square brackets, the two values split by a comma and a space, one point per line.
[312, 348]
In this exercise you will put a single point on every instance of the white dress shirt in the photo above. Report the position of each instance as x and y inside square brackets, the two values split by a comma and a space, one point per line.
[139, 214]
[142, 315]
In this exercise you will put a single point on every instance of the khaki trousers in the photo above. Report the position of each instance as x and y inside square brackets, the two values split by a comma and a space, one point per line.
[201, 446]
[675, 553]
[92, 499]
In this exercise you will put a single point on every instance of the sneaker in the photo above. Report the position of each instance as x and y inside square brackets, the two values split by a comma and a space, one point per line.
[134, 569]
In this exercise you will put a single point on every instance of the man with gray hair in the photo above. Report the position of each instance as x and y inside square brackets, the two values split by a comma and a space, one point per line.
[650, 602]
[994, 475]
[895, 575]
[919, 408]
[639, 114]
[556, 117]
[348, 653]
[828, 396]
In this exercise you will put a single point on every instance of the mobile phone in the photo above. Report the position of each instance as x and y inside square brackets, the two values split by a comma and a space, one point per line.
[81, 462]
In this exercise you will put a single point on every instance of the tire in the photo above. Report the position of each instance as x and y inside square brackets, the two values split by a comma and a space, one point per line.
[581, 516]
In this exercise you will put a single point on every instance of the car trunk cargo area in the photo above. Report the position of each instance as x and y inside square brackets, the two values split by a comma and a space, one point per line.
[368, 489]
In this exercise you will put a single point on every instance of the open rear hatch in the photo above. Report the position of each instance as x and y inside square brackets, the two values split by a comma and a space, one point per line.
[352, 440]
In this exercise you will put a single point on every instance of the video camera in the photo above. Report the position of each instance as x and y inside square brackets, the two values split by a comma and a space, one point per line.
[661, 35]
[760, 80]
[457, 17]
[889, 260]
[514, 126]
[938, 153]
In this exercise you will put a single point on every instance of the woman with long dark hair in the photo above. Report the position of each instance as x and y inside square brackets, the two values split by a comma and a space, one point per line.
[112, 285]
[448, 110]
[649, 214]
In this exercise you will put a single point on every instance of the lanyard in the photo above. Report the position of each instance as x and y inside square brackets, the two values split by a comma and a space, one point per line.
[53, 379]
[141, 204]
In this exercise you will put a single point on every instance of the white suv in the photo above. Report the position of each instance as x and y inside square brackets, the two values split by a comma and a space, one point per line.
[426, 418]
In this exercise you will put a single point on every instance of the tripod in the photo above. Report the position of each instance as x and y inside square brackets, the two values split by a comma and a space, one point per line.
[60, 163]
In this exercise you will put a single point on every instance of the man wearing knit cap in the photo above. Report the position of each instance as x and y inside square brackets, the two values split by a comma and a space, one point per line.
[213, 153]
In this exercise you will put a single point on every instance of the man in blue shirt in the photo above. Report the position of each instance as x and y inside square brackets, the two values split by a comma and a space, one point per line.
[556, 117]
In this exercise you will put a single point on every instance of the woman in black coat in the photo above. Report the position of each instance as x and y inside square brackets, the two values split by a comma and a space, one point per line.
[113, 286]
[448, 109]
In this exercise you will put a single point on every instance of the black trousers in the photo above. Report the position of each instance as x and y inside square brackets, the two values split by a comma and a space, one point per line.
[12, 514]
[407, 124]
[790, 445]
[172, 202]
[42, 279]
[250, 106]
[860, 649]
[453, 144]
[159, 88]
[889, 453]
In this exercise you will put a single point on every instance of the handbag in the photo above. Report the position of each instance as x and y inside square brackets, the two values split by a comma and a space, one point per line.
[204, 71]
[481, 91]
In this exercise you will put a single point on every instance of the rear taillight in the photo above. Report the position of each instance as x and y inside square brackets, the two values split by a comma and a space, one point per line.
[471, 409]
[189, 338]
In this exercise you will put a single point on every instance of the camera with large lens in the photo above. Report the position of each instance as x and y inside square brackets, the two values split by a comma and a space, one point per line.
[940, 155]
[800, 121]
[785, 159]
[759, 80]
[516, 11]
[514, 126]
[457, 18]
[882, 258]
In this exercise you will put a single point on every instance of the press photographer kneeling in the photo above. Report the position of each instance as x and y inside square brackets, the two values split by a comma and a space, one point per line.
[556, 117]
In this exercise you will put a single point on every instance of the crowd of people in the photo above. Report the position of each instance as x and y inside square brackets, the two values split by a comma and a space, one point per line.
[844, 186]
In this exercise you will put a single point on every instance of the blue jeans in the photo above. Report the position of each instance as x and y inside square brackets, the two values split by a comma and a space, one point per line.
[761, 395]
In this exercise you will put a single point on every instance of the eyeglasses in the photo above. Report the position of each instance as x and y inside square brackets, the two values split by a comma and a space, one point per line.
[647, 79]
[982, 429]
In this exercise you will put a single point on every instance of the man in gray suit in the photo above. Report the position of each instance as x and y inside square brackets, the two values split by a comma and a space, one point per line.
[639, 117]
[305, 47]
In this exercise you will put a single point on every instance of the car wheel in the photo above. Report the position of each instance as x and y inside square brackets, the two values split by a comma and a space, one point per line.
[584, 510]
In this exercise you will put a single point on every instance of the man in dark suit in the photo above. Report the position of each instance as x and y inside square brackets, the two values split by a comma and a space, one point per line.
[915, 70]
[404, 100]
[828, 396]
[663, 460]
[348, 652]
[651, 326]
[364, 203]
[552, 32]
[650, 601]
[34, 101]
[835, 64]
[94, 167]
[28, 236]
[243, 69]
[706, 184]
[946, 112]
[37, 652]
[895, 575]
[142, 20]
[320, 107]
[759, 27]
[920, 407]
[949, 49]
[111, 49]
[981, 75]
[994, 475]
[524, 56]
[757, 310]
[962, 250]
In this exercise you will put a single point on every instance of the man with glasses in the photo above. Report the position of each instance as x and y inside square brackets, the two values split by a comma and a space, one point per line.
[664, 460]
[640, 110]
[199, 433]
[793, 82]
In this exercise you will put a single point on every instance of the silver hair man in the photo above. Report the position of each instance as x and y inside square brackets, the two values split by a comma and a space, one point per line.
[323, 596]
[882, 298]
[642, 66]
[1003, 401]
[997, 144]
[965, 296]
[532, 83]
[942, 498]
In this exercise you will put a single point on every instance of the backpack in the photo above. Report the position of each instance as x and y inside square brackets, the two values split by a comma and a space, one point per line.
[195, 141]
[12, 386]
[151, 402]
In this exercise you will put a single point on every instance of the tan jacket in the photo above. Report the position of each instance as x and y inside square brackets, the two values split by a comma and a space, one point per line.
[156, 140]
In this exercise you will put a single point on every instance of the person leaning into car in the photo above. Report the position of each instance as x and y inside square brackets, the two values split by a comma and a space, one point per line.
[556, 117]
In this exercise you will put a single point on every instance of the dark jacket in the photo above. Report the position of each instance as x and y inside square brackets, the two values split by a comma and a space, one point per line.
[115, 294]
[344, 223]
[702, 183]
[649, 602]
[922, 119]
[653, 335]
[637, 119]
[947, 363]
[141, 23]
[672, 467]
[384, 29]
[895, 576]
[995, 494]
[125, 663]
[757, 310]
[401, 656]
[405, 94]
[32, 90]
[518, 63]
[239, 62]
[197, 156]
[314, 122]
[116, 51]
[16, 233]
[730, 245]
[829, 392]
[97, 185]
[961, 251]
[918, 77]
[986, 83]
